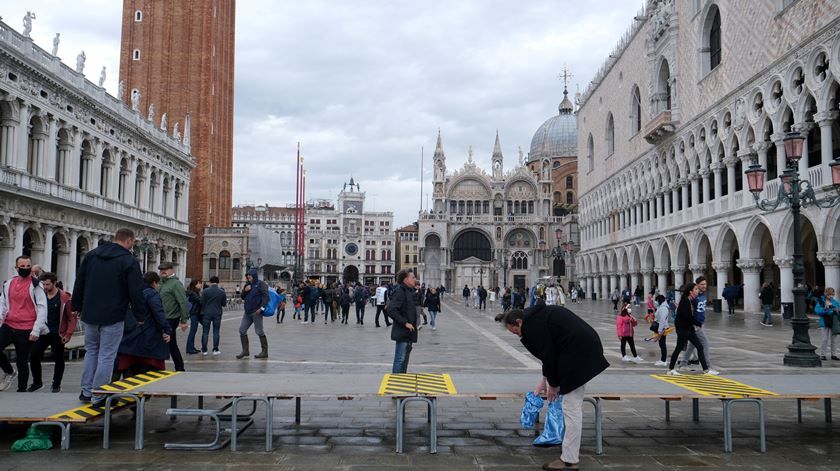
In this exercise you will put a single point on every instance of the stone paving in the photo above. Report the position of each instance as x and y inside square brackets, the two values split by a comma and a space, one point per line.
[474, 434]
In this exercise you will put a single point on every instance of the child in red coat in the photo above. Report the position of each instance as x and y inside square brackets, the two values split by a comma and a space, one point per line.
[624, 324]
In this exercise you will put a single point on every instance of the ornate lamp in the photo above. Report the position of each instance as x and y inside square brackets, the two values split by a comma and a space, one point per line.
[755, 178]
[794, 142]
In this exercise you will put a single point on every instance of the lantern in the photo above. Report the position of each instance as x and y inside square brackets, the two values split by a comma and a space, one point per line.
[755, 178]
[793, 145]
[835, 172]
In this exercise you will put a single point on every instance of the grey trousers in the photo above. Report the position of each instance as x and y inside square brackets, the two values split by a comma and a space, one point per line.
[255, 318]
[690, 350]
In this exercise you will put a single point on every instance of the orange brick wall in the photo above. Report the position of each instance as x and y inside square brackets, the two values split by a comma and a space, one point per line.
[186, 65]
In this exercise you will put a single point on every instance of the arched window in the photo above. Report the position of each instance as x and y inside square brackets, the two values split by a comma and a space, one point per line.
[224, 260]
[610, 134]
[635, 111]
[663, 87]
[136, 54]
[570, 182]
[590, 152]
[138, 16]
[714, 38]
[519, 261]
[570, 197]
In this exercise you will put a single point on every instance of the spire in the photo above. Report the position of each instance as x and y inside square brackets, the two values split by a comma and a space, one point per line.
[497, 149]
[439, 146]
[566, 106]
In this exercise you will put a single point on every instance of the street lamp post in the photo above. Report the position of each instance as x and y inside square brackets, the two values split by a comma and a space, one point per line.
[796, 193]
[502, 263]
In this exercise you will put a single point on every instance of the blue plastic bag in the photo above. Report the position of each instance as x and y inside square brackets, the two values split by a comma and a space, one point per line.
[531, 410]
[273, 302]
[552, 433]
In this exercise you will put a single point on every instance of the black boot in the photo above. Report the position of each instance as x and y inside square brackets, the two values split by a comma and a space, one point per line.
[264, 345]
[245, 353]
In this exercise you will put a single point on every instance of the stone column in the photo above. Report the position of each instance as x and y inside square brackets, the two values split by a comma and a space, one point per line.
[706, 186]
[8, 135]
[746, 160]
[621, 219]
[46, 263]
[716, 168]
[730, 175]
[761, 149]
[679, 281]
[722, 271]
[596, 287]
[94, 170]
[69, 276]
[22, 134]
[695, 189]
[785, 265]
[751, 267]
[646, 210]
[660, 204]
[825, 119]
[634, 281]
[130, 179]
[686, 184]
[613, 282]
[18, 247]
[676, 192]
[805, 129]
[662, 279]
[831, 262]
[665, 197]
[51, 150]
[781, 159]
[605, 287]
[647, 281]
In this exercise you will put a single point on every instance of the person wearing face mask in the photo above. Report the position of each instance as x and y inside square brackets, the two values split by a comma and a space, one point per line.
[23, 319]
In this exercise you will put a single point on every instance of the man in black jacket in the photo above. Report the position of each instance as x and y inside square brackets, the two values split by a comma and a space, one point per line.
[402, 311]
[571, 355]
[108, 281]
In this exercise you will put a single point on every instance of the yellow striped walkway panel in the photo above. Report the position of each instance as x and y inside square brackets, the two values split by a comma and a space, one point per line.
[708, 385]
[87, 411]
[427, 384]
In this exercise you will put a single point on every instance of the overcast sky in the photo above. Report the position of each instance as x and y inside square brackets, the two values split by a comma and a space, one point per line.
[364, 85]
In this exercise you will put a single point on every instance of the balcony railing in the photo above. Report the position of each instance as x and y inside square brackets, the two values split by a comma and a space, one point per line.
[660, 127]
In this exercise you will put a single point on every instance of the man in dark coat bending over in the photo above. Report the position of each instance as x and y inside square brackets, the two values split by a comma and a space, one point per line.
[571, 355]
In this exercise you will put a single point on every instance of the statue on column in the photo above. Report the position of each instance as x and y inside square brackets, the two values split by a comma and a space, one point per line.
[102, 76]
[176, 132]
[135, 100]
[27, 24]
[121, 90]
[80, 62]
[56, 40]
[163, 122]
[151, 115]
[521, 156]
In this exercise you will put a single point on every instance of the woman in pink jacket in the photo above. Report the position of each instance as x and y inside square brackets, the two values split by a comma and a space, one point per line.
[624, 324]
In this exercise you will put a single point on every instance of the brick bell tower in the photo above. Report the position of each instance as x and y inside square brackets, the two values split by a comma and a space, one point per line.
[179, 55]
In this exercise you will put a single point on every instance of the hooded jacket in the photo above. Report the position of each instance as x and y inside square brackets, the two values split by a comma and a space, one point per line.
[107, 283]
[174, 299]
[402, 310]
[569, 348]
[257, 296]
[39, 301]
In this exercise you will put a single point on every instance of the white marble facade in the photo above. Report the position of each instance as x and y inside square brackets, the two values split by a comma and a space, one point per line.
[76, 164]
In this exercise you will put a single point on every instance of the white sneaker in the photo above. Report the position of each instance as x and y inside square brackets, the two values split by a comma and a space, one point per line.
[674, 373]
[627, 358]
[305, 322]
[204, 353]
[660, 363]
[712, 372]
[216, 352]
[8, 379]
[639, 359]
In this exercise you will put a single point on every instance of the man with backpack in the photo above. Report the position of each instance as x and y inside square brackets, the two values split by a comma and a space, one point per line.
[381, 301]
[360, 297]
[255, 297]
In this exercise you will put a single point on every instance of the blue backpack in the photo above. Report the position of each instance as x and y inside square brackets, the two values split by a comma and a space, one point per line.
[273, 302]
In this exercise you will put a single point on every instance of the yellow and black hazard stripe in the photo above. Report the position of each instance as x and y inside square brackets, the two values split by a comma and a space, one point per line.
[416, 384]
[708, 385]
[87, 411]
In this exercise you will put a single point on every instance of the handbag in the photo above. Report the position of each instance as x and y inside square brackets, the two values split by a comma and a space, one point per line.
[654, 326]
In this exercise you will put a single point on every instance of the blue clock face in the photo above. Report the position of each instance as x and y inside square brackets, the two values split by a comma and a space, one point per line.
[351, 249]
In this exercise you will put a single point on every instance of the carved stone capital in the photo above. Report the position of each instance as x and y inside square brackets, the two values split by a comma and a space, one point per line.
[829, 258]
[751, 265]
[761, 146]
[678, 268]
[697, 267]
[661, 270]
[804, 128]
[825, 118]
[721, 266]
[783, 262]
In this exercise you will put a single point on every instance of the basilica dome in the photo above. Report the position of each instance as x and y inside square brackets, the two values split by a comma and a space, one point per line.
[558, 135]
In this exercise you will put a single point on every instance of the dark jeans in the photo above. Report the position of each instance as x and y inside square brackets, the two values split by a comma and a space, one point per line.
[174, 351]
[281, 315]
[36, 355]
[360, 313]
[402, 352]
[194, 321]
[20, 339]
[682, 341]
[663, 349]
[345, 312]
[730, 303]
[310, 311]
[381, 309]
[482, 303]
[216, 324]
[624, 342]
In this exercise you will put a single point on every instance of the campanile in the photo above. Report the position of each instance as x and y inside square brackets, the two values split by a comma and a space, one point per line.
[178, 54]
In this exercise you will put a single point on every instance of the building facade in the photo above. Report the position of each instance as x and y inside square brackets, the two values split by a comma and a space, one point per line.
[492, 229]
[176, 68]
[694, 93]
[226, 255]
[271, 234]
[346, 243]
[76, 164]
[408, 251]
